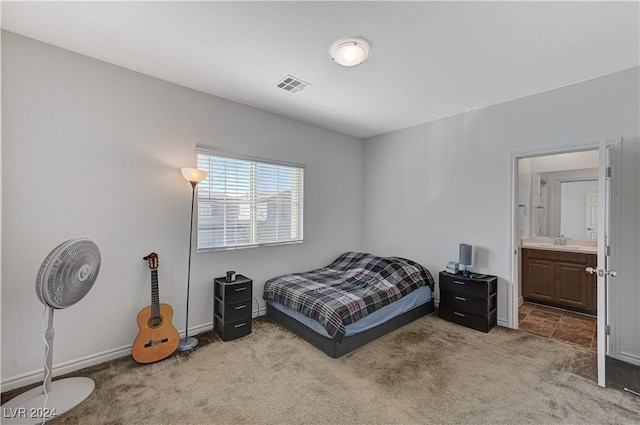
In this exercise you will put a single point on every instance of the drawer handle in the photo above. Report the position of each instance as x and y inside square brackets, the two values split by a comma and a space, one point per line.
[460, 298]
[241, 289]
[458, 314]
[240, 325]
[459, 283]
[240, 307]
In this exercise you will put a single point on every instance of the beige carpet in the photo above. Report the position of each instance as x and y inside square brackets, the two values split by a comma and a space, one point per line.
[428, 372]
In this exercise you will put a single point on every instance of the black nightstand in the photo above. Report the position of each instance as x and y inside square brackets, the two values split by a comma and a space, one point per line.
[469, 301]
[232, 302]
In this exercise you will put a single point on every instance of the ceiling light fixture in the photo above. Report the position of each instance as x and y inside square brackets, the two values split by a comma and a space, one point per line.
[350, 52]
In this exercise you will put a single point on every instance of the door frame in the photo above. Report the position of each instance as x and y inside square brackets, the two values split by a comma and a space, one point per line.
[613, 260]
[513, 295]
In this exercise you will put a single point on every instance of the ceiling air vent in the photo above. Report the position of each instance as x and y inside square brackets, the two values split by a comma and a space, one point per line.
[292, 84]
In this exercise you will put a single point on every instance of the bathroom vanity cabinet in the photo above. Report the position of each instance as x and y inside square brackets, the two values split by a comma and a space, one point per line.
[559, 279]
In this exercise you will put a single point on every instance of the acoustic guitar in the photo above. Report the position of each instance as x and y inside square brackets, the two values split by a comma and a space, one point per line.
[158, 338]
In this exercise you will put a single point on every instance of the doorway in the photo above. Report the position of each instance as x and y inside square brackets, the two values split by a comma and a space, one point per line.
[557, 298]
[564, 300]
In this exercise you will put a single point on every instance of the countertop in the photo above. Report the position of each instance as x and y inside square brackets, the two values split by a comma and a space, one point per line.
[584, 247]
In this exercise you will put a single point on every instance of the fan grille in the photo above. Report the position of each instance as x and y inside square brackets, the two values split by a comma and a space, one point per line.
[68, 273]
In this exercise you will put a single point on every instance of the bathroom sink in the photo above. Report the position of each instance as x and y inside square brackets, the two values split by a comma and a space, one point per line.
[540, 244]
[554, 247]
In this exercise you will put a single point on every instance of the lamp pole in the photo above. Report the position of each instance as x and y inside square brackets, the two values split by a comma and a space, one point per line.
[193, 176]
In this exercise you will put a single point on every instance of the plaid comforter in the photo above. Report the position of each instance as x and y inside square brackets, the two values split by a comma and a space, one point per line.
[350, 288]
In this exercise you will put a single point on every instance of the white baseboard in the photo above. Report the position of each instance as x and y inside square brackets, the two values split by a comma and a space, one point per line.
[65, 367]
[629, 358]
[35, 376]
[198, 329]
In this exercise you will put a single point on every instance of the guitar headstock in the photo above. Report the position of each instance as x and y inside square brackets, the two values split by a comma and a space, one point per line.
[153, 260]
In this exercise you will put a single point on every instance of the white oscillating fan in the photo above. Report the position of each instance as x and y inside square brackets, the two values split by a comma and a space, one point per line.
[65, 277]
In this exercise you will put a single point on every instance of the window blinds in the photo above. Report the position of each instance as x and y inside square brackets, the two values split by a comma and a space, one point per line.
[245, 203]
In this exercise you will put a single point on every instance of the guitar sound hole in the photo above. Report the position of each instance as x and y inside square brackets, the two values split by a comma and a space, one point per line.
[154, 322]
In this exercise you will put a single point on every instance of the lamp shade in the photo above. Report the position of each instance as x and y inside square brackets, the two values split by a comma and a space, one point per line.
[465, 254]
[193, 175]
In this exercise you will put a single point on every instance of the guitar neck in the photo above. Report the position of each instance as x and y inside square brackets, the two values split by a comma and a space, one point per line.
[155, 296]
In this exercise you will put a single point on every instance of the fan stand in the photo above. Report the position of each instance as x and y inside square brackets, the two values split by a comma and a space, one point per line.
[63, 394]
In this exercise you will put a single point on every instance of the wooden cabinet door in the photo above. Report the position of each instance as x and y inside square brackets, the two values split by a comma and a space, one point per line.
[538, 279]
[571, 288]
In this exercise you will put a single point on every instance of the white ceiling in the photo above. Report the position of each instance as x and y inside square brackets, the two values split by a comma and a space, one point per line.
[428, 60]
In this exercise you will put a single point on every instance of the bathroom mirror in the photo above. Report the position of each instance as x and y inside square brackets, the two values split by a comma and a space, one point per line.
[565, 203]
[579, 209]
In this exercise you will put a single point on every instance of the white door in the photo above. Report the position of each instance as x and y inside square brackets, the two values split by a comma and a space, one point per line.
[604, 189]
[592, 216]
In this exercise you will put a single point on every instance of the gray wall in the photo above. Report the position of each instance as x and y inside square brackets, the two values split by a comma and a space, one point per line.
[436, 185]
[94, 150]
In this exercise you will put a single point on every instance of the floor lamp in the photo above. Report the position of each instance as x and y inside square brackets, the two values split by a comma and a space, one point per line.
[193, 176]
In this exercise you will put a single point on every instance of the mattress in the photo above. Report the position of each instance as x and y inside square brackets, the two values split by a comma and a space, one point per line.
[350, 288]
[416, 298]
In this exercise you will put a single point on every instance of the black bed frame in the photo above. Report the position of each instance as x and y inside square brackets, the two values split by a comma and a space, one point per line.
[336, 349]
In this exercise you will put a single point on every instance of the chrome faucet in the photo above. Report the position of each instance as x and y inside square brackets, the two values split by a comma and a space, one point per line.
[560, 240]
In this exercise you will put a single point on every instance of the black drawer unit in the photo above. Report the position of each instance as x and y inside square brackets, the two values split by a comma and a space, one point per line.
[232, 302]
[469, 301]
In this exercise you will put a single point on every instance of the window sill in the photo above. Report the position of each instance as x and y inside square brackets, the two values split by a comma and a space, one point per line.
[232, 248]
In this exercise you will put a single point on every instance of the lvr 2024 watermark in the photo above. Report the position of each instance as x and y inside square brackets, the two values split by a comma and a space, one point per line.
[32, 412]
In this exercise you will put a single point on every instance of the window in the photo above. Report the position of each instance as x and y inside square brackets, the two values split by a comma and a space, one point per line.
[245, 203]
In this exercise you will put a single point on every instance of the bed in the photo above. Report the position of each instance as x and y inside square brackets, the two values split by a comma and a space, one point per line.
[357, 298]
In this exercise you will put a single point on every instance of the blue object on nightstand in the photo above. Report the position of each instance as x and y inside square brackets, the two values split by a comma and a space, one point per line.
[452, 267]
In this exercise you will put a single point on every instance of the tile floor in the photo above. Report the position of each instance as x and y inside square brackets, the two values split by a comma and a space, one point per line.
[573, 328]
